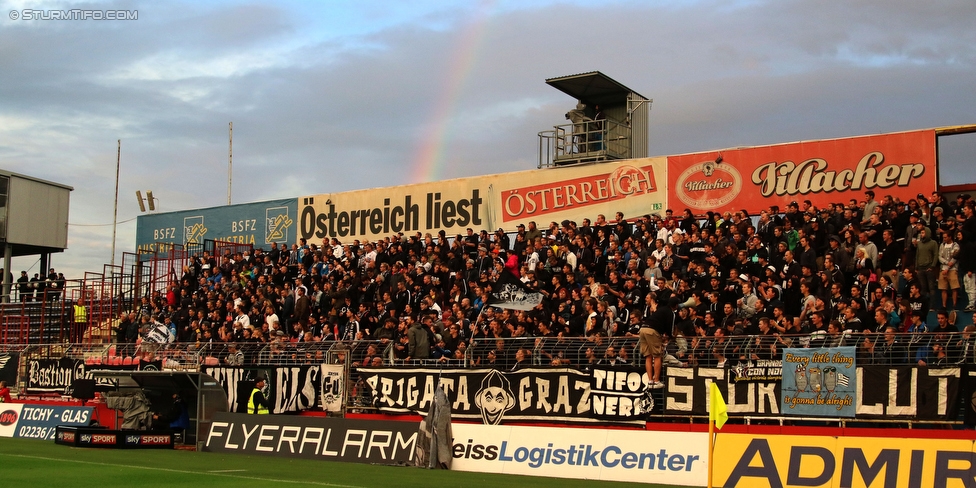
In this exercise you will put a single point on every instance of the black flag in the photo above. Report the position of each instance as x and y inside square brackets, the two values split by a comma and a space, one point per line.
[509, 292]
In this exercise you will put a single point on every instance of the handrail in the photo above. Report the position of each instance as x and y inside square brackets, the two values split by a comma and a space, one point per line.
[873, 349]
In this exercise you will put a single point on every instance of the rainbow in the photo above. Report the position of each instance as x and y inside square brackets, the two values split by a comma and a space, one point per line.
[429, 162]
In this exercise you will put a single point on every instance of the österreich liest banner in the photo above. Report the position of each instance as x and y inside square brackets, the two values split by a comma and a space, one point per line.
[634, 187]
[824, 172]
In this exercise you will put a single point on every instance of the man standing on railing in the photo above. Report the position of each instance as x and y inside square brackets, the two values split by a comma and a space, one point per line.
[658, 323]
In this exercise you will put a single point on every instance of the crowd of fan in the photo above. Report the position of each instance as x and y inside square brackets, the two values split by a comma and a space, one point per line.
[854, 274]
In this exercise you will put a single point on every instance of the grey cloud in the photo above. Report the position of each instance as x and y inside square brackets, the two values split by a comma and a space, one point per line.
[348, 113]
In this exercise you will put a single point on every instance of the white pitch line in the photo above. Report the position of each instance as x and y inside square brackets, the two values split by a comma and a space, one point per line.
[226, 470]
[181, 471]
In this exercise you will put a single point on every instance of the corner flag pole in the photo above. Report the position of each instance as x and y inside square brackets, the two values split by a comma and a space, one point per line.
[718, 413]
[711, 447]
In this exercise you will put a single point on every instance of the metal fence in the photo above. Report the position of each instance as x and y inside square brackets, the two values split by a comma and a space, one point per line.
[931, 348]
[911, 350]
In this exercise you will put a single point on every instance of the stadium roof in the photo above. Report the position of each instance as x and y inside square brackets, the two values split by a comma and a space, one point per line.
[592, 88]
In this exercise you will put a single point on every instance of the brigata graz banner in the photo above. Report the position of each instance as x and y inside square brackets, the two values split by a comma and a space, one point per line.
[331, 439]
[880, 392]
[532, 394]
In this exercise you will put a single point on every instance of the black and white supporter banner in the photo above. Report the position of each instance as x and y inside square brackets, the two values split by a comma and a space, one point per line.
[290, 388]
[333, 387]
[908, 392]
[56, 375]
[8, 367]
[491, 396]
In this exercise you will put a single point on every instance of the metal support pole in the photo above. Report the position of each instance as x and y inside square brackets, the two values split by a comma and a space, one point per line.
[115, 216]
[230, 160]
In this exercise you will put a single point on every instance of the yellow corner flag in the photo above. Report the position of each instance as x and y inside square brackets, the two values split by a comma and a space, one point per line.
[718, 412]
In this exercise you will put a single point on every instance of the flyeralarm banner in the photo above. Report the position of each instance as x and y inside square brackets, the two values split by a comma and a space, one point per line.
[824, 172]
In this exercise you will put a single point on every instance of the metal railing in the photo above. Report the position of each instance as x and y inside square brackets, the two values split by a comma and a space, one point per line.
[944, 349]
[930, 349]
[586, 141]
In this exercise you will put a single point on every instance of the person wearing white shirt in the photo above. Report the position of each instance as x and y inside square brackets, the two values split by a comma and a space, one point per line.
[271, 318]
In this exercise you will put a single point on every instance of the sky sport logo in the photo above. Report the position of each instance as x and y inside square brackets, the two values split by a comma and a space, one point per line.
[73, 14]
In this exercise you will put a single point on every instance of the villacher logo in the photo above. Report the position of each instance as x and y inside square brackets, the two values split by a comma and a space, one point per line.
[708, 185]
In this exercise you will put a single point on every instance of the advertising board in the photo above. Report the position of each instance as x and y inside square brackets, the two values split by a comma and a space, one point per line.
[757, 461]
[824, 172]
[259, 224]
[39, 421]
[634, 187]
[332, 439]
[669, 458]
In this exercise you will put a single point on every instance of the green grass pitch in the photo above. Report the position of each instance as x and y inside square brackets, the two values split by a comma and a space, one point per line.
[32, 463]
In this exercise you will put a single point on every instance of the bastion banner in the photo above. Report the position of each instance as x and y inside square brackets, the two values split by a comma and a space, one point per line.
[824, 172]
[57, 375]
[634, 187]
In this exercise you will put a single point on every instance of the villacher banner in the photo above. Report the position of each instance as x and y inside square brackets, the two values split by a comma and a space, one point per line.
[493, 397]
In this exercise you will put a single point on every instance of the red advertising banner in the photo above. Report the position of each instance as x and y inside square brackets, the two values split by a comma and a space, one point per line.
[824, 172]
[630, 187]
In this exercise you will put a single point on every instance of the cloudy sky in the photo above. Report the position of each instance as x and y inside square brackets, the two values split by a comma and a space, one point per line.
[342, 95]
